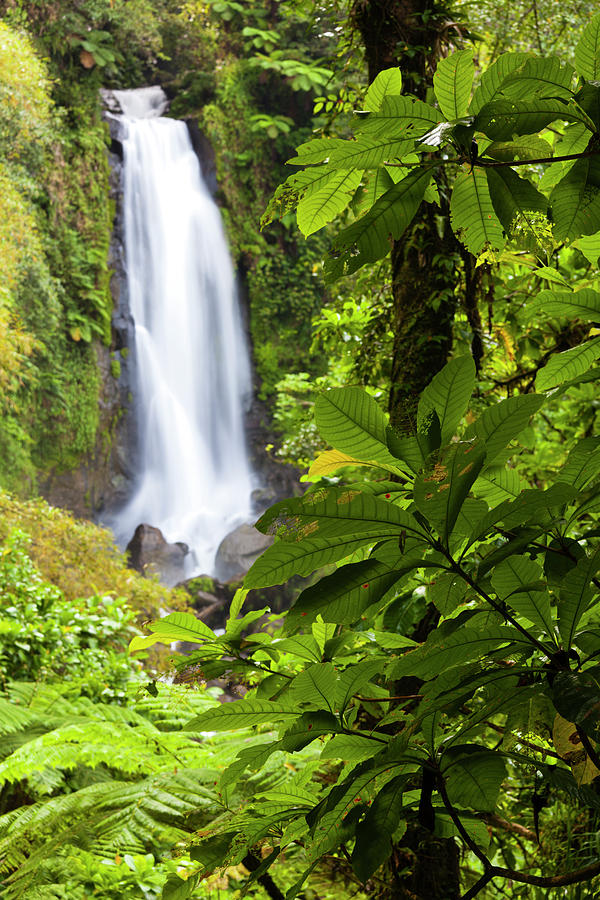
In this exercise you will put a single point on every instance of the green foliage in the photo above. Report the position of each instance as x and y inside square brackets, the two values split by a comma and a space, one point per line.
[512, 630]
[79, 557]
[43, 636]
[491, 205]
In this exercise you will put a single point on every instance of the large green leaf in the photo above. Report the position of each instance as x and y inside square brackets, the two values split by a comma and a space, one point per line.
[590, 247]
[343, 596]
[385, 84]
[317, 208]
[530, 504]
[447, 592]
[440, 651]
[353, 422]
[375, 184]
[353, 679]
[279, 562]
[518, 581]
[399, 118]
[472, 214]
[587, 51]
[583, 463]
[575, 200]
[374, 834]
[529, 146]
[334, 512]
[540, 78]
[315, 686]
[500, 423]
[448, 394]
[323, 527]
[498, 483]
[241, 714]
[568, 365]
[359, 789]
[514, 199]
[174, 627]
[369, 238]
[473, 776]
[317, 150]
[441, 489]
[583, 304]
[575, 595]
[452, 83]
[502, 119]
[368, 152]
[493, 78]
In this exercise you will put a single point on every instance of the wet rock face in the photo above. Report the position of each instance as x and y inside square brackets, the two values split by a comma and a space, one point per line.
[238, 550]
[103, 481]
[150, 554]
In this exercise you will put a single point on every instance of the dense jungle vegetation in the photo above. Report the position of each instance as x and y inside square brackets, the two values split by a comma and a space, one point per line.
[423, 301]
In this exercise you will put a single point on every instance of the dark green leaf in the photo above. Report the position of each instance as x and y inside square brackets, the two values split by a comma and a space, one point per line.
[472, 214]
[576, 696]
[473, 776]
[527, 147]
[353, 422]
[343, 596]
[374, 834]
[493, 78]
[568, 365]
[518, 581]
[452, 83]
[448, 394]
[443, 486]
[575, 595]
[587, 51]
[501, 120]
[368, 239]
[504, 421]
[415, 448]
[575, 200]
[514, 199]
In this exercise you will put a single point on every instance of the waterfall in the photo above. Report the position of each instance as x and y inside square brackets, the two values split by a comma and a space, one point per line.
[192, 362]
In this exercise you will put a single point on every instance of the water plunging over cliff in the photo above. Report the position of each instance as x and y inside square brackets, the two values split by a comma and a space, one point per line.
[192, 361]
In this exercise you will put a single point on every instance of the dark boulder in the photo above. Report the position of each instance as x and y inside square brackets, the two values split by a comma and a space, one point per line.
[150, 554]
[238, 550]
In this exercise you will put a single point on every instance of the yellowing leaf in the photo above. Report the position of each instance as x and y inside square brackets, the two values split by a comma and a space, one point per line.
[331, 460]
[567, 742]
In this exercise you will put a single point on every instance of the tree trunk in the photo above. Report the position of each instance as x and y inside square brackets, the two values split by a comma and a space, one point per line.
[410, 34]
[425, 269]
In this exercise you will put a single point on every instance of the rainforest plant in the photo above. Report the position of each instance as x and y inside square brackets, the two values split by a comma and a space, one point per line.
[445, 657]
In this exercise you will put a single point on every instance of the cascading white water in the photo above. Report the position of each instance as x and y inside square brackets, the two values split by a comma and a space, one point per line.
[192, 362]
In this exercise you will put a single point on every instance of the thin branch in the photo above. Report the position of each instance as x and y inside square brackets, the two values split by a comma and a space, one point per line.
[588, 746]
[530, 162]
[548, 880]
[495, 821]
[478, 886]
[473, 847]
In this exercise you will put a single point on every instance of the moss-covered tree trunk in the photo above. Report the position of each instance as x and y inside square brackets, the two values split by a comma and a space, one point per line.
[409, 34]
